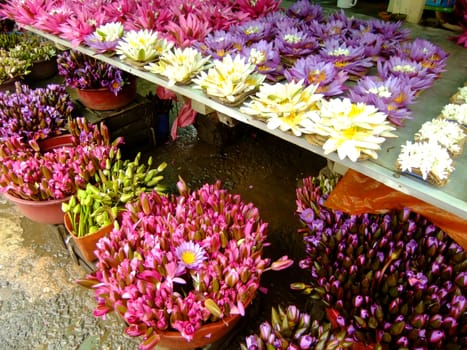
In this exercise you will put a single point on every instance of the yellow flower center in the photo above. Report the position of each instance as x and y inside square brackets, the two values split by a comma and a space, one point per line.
[251, 30]
[188, 257]
[293, 39]
[316, 77]
[356, 110]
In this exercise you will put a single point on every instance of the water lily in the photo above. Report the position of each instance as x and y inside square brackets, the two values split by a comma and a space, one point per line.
[306, 11]
[294, 43]
[86, 72]
[417, 76]
[34, 114]
[105, 37]
[265, 57]
[352, 129]
[220, 43]
[142, 46]
[429, 55]
[187, 29]
[345, 57]
[179, 65]
[254, 31]
[230, 79]
[427, 159]
[313, 70]
[391, 95]
[287, 106]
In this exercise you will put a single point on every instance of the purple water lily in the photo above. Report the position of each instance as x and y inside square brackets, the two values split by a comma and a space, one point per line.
[348, 58]
[313, 70]
[306, 11]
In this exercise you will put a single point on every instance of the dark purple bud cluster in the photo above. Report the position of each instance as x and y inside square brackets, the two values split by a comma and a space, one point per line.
[395, 279]
[34, 114]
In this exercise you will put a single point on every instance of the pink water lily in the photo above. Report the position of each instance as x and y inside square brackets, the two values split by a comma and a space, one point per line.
[187, 30]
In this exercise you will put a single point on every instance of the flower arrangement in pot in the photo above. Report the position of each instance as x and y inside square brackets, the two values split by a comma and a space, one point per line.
[181, 268]
[99, 85]
[34, 114]
[392, 281]
[41, 175]
[90, 213]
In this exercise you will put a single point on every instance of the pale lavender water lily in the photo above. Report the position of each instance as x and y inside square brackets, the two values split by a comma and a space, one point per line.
[371, 42]
[266, 58]
[348, 58]
[331, 29]
[350, 22]
[417, 77]
[220, 43]
[391, 95]
[280, 20]
[294, 43]
[313, 70]
[93, 41]
[390, 30]
[306, 11]
[429, 55]
[253, 31]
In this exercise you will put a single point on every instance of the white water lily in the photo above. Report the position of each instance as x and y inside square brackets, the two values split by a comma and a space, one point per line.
[353, 143]
[343, 114]
[229, 79]
[287, 106]
[142, 45]
[426, 158]
[352, 129]
[110, 31]
[179, 65]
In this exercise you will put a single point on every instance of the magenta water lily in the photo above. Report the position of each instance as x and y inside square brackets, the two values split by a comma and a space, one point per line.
[179, 262]
[392, 280]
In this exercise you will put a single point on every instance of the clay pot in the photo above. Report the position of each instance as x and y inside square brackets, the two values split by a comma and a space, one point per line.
[102, 99]
[44, 212]
[47, 211]
[87, 243]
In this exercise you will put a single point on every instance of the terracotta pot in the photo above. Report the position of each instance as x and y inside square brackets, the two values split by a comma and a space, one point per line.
[47, 211]
[206, 335]
[43, 70]
[50, 143]
[44, 212]
[87, 243]
[103, 99]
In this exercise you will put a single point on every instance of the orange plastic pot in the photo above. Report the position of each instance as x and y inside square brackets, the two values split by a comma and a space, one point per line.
[87, 243]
